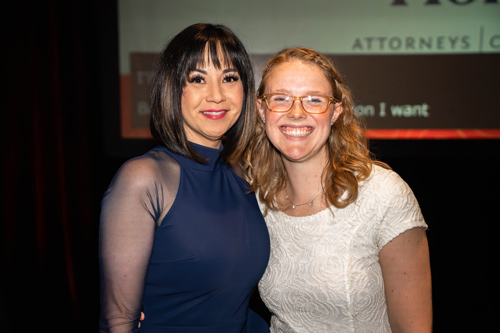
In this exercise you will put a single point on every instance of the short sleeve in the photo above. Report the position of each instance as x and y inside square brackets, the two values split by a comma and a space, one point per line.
[398, 208]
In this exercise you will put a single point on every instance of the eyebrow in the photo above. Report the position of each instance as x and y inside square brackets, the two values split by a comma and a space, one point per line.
[227, 70]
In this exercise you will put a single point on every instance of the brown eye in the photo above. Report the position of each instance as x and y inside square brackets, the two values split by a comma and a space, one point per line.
[231, 78]
[196, 79]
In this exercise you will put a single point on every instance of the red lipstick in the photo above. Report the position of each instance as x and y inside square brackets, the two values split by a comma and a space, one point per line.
[214, 114]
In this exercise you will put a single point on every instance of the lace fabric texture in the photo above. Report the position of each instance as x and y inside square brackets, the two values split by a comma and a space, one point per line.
[324, 273]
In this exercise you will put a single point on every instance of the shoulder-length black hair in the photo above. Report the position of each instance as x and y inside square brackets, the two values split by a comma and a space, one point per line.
[182, 55]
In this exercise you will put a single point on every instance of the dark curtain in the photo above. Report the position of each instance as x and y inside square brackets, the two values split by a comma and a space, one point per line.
[59, 131]
[51, 131]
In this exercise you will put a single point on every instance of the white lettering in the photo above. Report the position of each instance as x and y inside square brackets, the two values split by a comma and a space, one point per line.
[365, 110]
[410, 111]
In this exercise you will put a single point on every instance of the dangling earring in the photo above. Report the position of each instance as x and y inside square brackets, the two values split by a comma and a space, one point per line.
[263, 120]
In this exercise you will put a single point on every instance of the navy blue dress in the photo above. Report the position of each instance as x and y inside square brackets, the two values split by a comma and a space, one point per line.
[207, 253]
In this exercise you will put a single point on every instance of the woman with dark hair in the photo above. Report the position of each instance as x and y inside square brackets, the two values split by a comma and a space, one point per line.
[349, 251]
[181, 239]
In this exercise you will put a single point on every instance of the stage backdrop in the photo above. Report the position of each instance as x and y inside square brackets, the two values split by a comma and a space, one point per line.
[419, 69]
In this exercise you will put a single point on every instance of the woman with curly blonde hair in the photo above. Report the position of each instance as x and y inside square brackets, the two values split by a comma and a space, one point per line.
[349, 251]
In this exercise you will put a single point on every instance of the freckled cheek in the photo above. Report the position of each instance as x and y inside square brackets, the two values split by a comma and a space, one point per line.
[272, 118]
[323, 120]
[324, 130]
[272, 129]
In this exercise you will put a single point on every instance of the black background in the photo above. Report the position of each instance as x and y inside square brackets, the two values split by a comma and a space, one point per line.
[61, 147]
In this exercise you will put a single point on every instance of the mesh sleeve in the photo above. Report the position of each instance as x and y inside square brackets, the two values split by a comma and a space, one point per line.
[133, 205]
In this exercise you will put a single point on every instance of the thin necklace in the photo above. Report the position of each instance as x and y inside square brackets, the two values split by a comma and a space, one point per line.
[310, 203]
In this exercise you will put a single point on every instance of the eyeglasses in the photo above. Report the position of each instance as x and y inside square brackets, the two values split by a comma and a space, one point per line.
[311, 104]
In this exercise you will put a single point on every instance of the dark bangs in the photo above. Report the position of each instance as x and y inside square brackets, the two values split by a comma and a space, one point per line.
[223, 48]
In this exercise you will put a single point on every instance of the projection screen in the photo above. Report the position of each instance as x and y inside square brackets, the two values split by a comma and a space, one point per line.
[418, 69]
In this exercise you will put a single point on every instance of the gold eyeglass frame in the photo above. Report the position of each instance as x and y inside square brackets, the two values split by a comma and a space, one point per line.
[330, 101]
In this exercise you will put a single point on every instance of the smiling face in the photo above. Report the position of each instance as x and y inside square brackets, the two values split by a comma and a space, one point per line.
[212, 101]
[299, 135]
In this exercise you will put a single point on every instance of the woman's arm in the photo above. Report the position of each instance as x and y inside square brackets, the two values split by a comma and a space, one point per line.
[407, 280]
[126, 239]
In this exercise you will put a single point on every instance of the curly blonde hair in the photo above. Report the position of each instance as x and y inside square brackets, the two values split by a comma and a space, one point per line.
[348, 153]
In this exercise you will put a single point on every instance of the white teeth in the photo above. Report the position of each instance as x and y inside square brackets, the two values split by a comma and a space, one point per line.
[214, 113]
[296, 132]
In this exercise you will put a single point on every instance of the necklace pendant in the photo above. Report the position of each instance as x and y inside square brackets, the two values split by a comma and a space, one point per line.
[310, 203]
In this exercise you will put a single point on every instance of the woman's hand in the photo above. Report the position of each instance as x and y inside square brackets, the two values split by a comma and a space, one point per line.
[141, 319]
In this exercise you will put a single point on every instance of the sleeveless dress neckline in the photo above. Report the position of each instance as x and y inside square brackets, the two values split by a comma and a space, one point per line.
[212, 155]
[209, 252]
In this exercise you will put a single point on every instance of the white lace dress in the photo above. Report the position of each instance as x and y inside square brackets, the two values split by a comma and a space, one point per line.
[324, 273]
